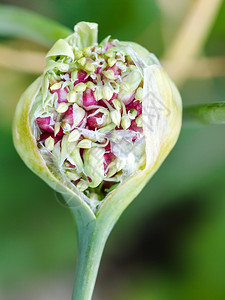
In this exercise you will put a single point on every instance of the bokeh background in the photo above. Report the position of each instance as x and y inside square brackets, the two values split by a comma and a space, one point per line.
[170, 242]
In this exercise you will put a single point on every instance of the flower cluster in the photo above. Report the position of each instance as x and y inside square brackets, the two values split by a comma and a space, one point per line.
[88, 115]
[99, 121]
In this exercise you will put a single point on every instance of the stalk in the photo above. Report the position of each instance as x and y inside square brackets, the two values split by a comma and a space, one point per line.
[91, 241]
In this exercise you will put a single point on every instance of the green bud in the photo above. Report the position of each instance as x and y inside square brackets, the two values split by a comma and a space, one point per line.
[72, 97]
[117, 104]
[56, 129]
[109, 74]
[85, 144]
[90, 85]
[94, 165]
[139, 121]
[98, 93]
[79, 115]
[62, 107]
[107, 92]
[133, 80]
[115, 166]
[110, 53]
[86, 51]
[78, 54]
[89, 67]
[82, 61]
[107, 128]
[80, 87]
[49, 143]
[112, 170]
[111, 61]
[55, 86]
[74, 75]
[74, 136]
[116, 117]
[125, 122]
[139, 94]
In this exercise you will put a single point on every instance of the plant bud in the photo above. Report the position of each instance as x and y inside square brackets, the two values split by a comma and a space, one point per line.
[116, 117]
[125, 122]
[99, 122]
[74, 136]
[107, 93]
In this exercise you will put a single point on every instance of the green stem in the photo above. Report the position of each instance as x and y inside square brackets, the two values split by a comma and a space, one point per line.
[212, 113]
[91, 242]
[18, 22]
[93, 230]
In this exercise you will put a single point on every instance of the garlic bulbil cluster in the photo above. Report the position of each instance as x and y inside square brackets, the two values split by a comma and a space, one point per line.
[88, 120]
[100, 114]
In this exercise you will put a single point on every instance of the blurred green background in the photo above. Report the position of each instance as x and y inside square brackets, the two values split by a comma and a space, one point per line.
[170, 242]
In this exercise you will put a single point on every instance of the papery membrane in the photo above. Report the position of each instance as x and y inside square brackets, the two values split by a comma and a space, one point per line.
[161, 109]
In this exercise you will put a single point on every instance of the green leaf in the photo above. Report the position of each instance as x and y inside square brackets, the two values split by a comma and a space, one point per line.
[17, 22]
[212, 113]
